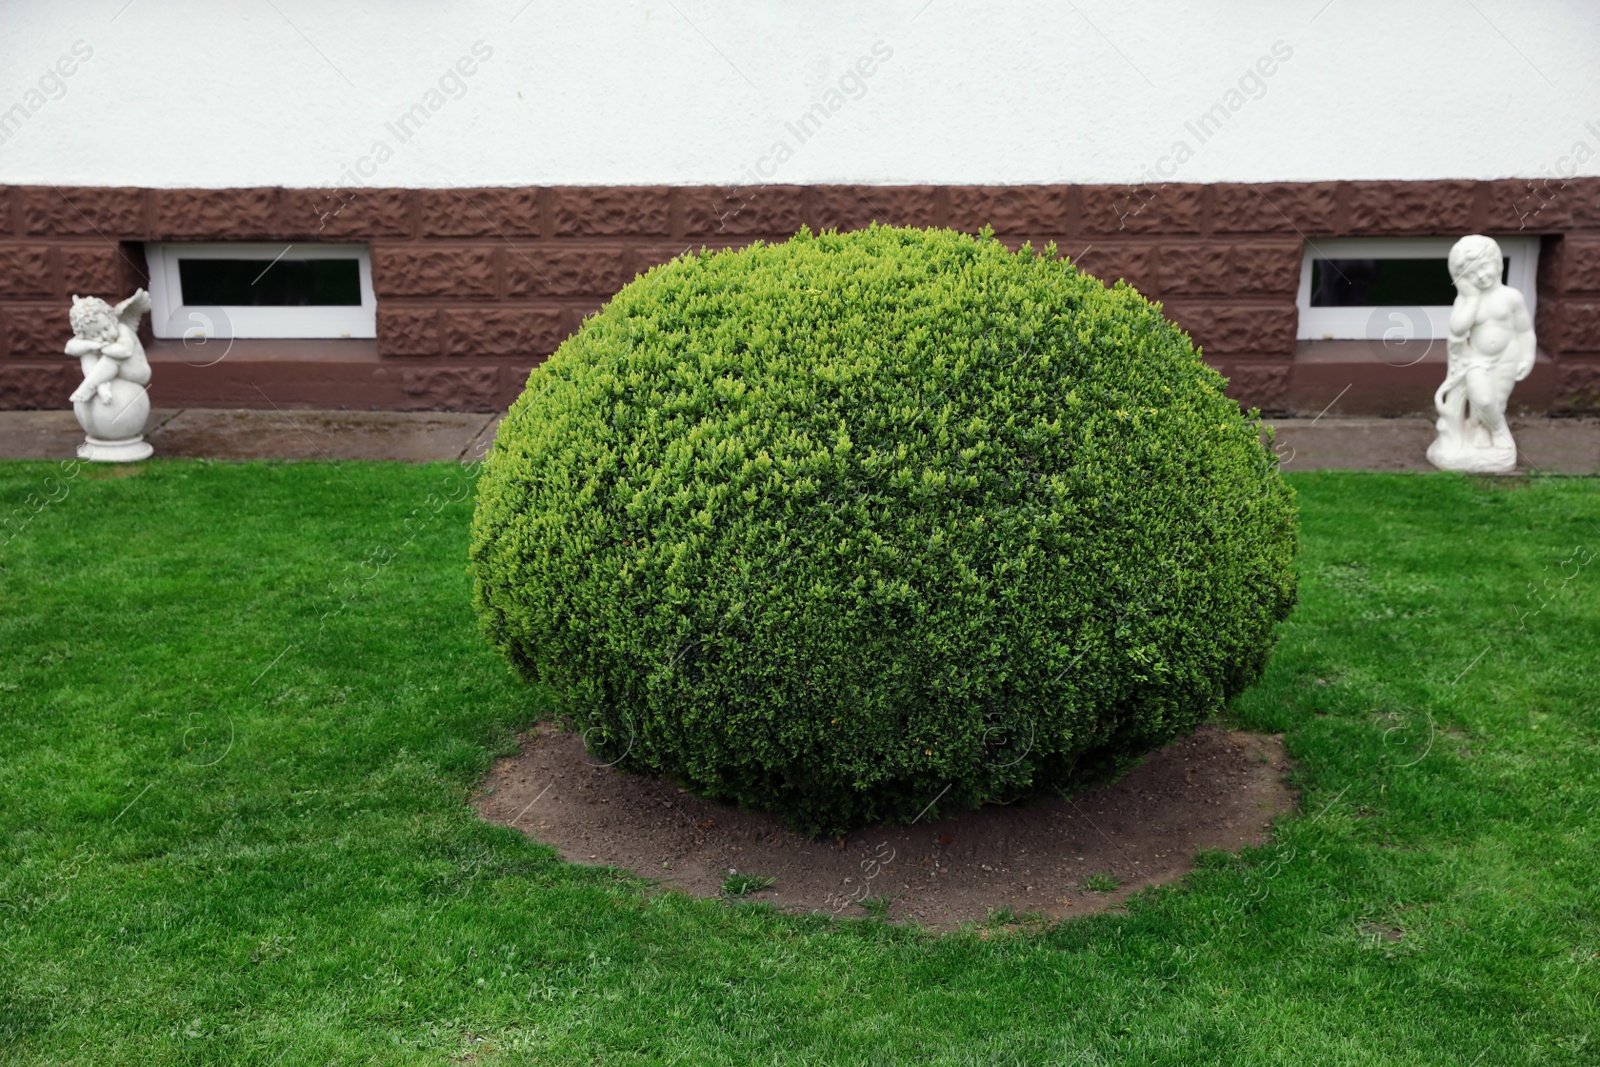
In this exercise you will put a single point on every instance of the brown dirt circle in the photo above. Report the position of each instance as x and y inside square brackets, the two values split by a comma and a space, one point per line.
[1217, 789]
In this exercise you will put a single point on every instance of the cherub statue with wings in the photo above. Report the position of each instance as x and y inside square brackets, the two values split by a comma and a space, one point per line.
[111, 404]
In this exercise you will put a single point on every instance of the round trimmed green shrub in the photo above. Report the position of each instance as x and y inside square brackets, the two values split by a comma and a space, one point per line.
[880, 525]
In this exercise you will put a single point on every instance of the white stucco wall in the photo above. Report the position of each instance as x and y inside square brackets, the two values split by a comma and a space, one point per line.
[302, 92]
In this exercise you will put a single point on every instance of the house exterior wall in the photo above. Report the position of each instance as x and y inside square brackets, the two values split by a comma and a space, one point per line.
[476, 286]
[236, 93]
[512, 165]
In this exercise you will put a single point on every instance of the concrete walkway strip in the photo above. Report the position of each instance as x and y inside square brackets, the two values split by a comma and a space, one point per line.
[409, 436]
[479, 446]
[1544, 445]
[1553, 446]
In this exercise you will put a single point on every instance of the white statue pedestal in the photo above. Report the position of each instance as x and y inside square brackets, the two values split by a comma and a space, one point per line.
[114, 423]
[112, 404]
[127, 451]
[1485, 458]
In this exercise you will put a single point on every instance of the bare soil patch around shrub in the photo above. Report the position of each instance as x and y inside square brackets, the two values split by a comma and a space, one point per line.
[1052, 857]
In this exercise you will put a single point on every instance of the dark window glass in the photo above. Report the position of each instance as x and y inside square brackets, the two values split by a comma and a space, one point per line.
[1346, 283]
[263, 283]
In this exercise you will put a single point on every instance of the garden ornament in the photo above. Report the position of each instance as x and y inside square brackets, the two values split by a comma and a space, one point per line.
[113, 402]
[1491, 348]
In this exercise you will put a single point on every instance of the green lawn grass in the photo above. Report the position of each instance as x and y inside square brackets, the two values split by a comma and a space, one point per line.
[242, 708]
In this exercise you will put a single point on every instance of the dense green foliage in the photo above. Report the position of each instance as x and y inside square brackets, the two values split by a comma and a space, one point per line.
[867, 525]
[237, 749]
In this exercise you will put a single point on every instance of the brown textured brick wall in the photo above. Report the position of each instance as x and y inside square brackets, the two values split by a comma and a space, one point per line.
[476, 279]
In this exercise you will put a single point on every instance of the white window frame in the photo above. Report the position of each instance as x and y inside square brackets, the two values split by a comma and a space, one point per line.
[1358, 323]
[171, 317]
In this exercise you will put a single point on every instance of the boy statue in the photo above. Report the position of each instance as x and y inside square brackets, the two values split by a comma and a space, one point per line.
[1491, 348]
[112, 403]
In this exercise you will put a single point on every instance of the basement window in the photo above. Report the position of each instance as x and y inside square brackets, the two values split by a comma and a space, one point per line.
[261, 290]
[1393, 289]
